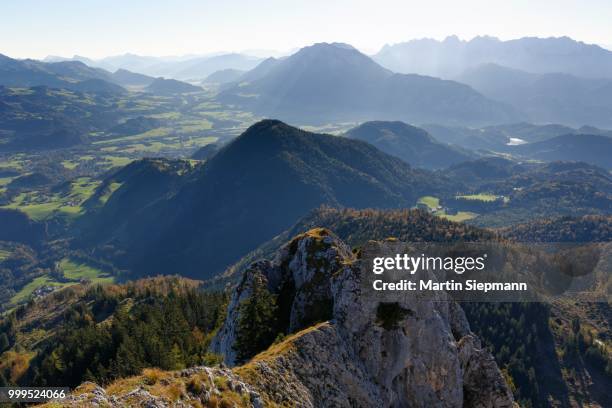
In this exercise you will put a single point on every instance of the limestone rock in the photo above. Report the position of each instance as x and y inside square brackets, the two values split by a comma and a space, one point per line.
[426, 357]
[349, 347]
[303, 269]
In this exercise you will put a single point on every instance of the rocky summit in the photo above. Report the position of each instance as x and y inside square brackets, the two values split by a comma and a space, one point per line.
[337, 346]
[415, 353]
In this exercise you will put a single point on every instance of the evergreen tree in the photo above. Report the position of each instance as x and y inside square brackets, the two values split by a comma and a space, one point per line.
[174, 358]
[257, 322]
[576, 325]
[166, 326]
[4, 342]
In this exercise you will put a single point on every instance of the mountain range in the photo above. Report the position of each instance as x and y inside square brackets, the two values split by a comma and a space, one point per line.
[42, 118]
[503, 138]
[594, 149]
[184, 68]
[326, 83]
[72, 75]
[77, 76]
[451, 57]
[554, 97]
[335, 82]
[523, 141]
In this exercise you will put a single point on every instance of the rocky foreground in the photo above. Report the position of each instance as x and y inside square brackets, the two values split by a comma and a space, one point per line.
[347, 349]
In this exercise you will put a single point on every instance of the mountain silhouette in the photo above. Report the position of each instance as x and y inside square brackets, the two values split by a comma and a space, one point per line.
[335, 82]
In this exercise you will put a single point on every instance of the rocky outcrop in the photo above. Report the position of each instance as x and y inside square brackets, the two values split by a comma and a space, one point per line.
[300, 272]
[349, 347]
[408, 351]
[196, 386]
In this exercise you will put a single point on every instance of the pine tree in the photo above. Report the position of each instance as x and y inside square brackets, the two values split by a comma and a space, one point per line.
[4, 342]
[174, 359]
[257, 324]
[575, 325]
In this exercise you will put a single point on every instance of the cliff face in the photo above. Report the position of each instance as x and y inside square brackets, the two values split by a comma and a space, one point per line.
[416, 352]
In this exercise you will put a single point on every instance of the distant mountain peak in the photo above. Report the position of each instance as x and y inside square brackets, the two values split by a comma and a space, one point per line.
[410, 143]
[333, 44]
[266, 124]
[397, 128]
[162, 86]
[266, 128]
[452, 39]
[327, 49]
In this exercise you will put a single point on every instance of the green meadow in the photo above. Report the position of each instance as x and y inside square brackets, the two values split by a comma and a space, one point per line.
[434, 202]
[28, 289]
[77, 271]
[430, 201]
[74, 271]
[43, 206]
[4, 254]
[479, 197]
[460, 216]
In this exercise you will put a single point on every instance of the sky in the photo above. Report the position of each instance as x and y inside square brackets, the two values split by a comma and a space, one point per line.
[94, 28]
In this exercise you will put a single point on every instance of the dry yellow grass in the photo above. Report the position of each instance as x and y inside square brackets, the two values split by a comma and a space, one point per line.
[153, 375]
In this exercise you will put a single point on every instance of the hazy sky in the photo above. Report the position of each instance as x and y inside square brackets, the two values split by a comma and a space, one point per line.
[94, 28]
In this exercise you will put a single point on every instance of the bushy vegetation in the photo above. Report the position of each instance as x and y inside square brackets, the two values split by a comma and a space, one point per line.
[115, 331]
[358, 226]
[581, 344]
[589, 228]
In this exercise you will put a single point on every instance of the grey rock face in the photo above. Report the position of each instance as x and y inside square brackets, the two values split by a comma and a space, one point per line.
[423, 356]
[303, 267]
